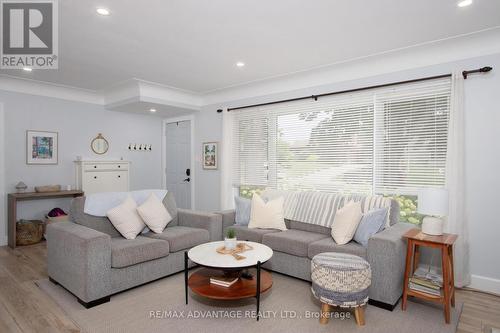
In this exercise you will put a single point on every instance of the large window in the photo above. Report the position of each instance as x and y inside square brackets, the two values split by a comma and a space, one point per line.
[388, 141]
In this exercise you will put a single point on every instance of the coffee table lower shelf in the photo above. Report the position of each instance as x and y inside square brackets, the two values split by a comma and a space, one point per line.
[199, 283]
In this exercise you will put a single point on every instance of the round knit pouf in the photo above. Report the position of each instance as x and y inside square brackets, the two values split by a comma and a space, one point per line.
[340, 279]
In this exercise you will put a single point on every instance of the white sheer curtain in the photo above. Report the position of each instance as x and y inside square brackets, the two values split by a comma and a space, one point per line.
[455, 183]
[227, 195]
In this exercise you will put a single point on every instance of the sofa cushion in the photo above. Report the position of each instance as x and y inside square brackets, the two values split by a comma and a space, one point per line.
[295, 242]
[346, 221]
[329, 245]
[128, 252]
[154, 214]
[171, 206]
[371, 223]
[243, 207]
[318, 229]
[102, 224]
[181, 238]
[126, 219]
[266, 215]
[246, 234]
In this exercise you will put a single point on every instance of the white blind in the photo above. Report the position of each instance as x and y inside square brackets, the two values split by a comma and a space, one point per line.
[411, 135]
[390, 140]
[250, 149]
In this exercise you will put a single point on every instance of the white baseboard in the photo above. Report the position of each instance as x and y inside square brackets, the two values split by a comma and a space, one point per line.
[484, 283]
[3, 240]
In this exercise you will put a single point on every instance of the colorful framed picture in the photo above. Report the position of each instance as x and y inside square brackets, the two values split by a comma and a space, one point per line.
[210, 158]
[41, 147]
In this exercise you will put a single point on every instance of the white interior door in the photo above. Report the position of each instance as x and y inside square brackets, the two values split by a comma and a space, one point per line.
[178, 161]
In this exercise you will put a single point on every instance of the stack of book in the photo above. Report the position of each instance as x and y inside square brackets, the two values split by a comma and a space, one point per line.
[223, 281]
[426, 281]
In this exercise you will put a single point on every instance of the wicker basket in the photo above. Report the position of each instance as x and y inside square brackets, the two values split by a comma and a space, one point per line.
[29, 232]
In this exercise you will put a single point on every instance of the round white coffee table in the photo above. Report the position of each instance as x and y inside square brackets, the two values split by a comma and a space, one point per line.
[217, 265]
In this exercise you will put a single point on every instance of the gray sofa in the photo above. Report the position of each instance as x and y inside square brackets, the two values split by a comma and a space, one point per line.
[294, 249]
[90, 258]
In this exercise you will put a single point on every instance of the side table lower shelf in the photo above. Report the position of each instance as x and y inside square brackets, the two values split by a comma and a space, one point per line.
[444, 243]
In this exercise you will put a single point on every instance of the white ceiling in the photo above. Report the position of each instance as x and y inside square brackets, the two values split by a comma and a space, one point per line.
[194, 45]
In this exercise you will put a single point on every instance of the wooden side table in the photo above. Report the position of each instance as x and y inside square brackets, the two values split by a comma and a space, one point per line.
[416, 239]
[13, 198]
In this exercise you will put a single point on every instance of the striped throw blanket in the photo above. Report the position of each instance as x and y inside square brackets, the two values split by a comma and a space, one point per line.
[319, 208]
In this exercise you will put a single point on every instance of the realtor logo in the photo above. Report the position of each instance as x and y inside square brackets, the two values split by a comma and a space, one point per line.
[29, 34]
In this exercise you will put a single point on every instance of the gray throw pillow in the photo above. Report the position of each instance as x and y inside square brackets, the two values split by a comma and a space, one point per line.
[243, 207]
[371, 223]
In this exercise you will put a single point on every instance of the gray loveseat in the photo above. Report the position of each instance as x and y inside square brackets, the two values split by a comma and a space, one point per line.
[90, 258]
[295, 247]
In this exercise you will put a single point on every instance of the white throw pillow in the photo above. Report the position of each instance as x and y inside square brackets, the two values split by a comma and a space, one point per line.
[267, 215]
[154, 214]
[346, 222]
[126, 219]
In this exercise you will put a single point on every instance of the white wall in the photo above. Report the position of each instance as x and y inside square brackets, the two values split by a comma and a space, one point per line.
[482, 150]
[207, 187]
[482, 147]
[77, 124]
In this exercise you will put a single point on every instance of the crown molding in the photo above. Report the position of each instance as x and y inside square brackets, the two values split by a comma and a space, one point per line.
[39, 88]
[130, 91]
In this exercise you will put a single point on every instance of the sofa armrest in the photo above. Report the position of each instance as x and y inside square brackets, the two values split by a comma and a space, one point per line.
[208, 221]
[228, 217]
[387, 254]
[79, 258]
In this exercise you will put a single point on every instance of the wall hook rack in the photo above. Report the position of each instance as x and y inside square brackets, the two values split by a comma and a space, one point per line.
[140, 147]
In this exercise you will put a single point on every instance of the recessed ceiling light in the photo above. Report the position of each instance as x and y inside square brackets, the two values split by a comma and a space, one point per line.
[464, 3]
[103, 11]
[240, 64]
[152, 110]
[27, 69]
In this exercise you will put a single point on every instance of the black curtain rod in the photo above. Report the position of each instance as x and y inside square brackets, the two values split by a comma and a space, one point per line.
[485, 69]
[315, 97]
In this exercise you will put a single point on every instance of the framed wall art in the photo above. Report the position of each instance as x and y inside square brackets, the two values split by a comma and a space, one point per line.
[210, 155]
[41, 147]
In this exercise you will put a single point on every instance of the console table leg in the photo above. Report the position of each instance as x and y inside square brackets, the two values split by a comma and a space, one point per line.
[11, 221]
[258, 289]
[186, 275]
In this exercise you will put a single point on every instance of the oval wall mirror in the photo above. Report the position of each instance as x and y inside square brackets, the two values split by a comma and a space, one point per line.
[99, 145]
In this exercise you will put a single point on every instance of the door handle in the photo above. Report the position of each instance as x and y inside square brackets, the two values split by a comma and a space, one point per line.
[187, 180]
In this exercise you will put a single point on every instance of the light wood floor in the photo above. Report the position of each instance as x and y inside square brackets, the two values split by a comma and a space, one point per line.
[25, 308]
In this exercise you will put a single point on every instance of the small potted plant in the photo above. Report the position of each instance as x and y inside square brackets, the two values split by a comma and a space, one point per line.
[230, 240]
